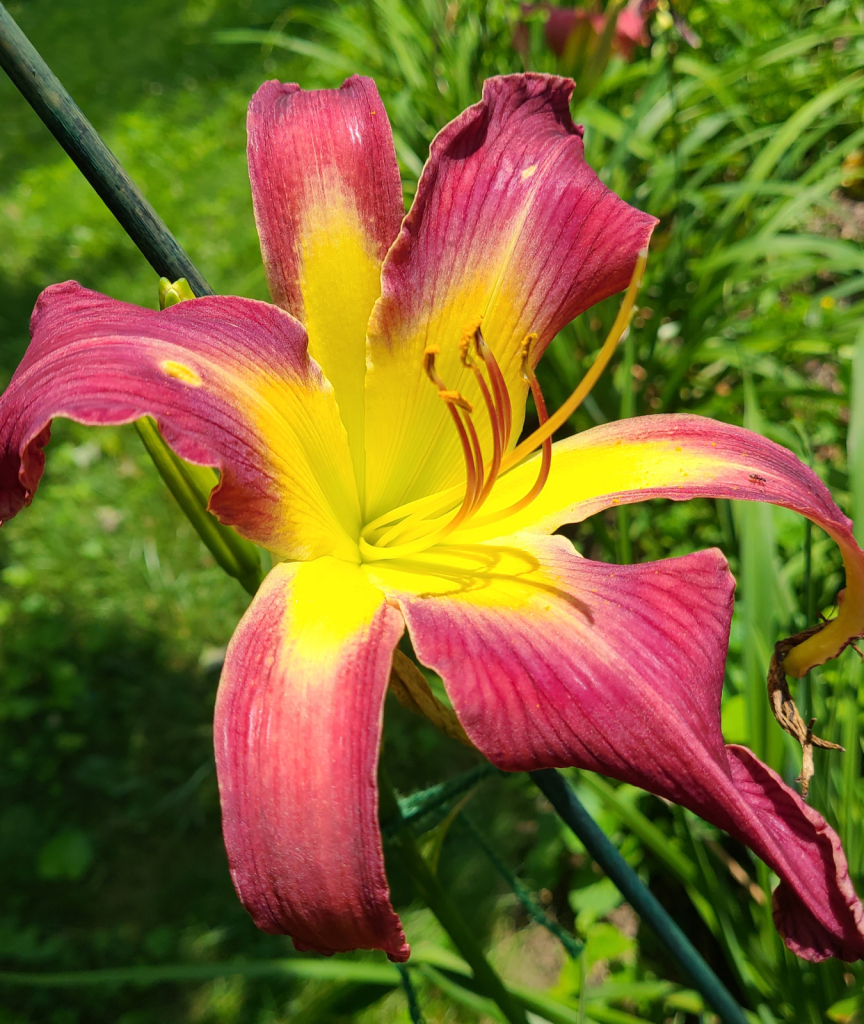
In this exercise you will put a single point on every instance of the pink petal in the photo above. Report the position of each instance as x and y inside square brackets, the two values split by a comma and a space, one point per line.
[308, 153]
[328, 203]
[226, 379]
[619, 669]
[834, 924]
[297, 731]
[682, 457]
[631, 29]
[509, 223]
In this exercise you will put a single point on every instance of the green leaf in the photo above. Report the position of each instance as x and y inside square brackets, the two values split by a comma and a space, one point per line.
[594, 901]
[66, 856]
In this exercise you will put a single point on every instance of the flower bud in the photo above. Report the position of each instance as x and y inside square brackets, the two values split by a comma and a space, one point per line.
[170, 294]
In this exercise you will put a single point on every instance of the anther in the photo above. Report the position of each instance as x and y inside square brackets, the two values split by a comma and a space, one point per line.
[448, 396]
[526, 372]
[456, 398]
[429, 354]
[469, 333]
[464, 346]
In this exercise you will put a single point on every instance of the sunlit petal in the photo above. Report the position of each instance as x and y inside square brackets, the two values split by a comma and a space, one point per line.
[230, 385]
[619, 669]
[297, 730]
[682, 457]
[328, 204]
[509, 224]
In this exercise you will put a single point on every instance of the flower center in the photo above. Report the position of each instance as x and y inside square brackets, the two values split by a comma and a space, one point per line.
[420, 524]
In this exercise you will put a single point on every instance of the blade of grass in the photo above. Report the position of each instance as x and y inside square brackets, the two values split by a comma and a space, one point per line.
[433, 894]
[788, 133]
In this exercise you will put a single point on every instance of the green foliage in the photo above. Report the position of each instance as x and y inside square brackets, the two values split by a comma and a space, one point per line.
[113, 615]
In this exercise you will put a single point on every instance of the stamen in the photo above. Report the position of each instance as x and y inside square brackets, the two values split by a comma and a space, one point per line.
[418, 525]
[460, 410]
[499, 441]
[456, 398]
[527, 342]
[402, 518]
[412, 522]
[469, 332]
[500, 419]
[545, 459]
[499, 386]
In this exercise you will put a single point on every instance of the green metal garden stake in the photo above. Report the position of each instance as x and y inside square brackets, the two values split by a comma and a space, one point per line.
[558, 792]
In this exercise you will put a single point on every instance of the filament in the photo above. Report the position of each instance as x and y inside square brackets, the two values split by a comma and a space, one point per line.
[546, 457]
[458, 407]
[495, 408]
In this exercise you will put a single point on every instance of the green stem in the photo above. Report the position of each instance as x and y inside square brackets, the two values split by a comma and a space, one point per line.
[435, 897]
[191, 486]
[625, 548]
[414, 1011]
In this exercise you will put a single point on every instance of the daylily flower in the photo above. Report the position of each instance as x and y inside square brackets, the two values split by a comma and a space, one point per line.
[567, 24]
[573, 33]
[365, 427]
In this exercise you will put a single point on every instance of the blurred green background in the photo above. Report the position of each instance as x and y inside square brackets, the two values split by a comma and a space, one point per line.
[114, 618]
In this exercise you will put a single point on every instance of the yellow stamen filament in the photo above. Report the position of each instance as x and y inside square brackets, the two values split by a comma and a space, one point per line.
[418, 525]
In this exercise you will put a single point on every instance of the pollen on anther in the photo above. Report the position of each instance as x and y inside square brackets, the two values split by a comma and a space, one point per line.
[456, 398]
[525, 353]
[429, 354]
[469, 331]
[181, 372]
